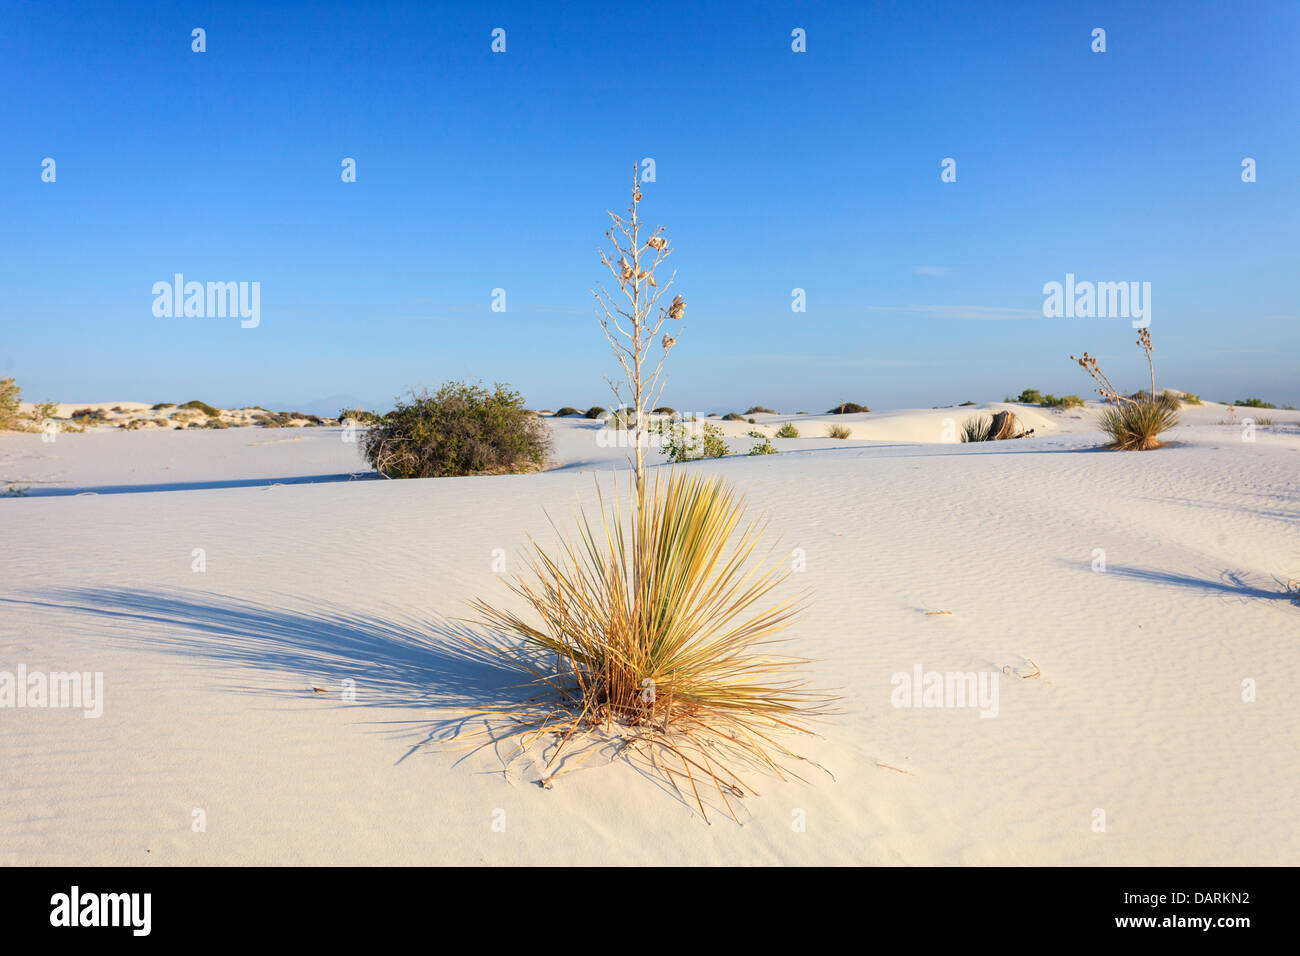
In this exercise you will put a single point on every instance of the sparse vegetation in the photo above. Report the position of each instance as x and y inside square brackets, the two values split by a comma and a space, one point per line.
[845, 408]
[203, 407]
[1191, 398]
[358, 415]
[787, 431]
[1065, 401]
[682, 443]
[1030, 396]
[595, 412]
[764, 446]
[761, 410]
[733, 417]
[89, 416]
[665, 410]
[462, 429]
[567, 410]
[838, 431]
[1254, 403]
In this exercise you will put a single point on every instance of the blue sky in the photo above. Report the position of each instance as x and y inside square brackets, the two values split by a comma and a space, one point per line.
[775, 170]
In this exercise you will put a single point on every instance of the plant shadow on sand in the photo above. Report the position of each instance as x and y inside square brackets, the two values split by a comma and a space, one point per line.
[1229, 584]
[397, 661]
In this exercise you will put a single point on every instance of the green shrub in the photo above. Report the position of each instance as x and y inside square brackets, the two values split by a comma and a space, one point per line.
[85, 415]
[846, 408]
[594, 412]
[203, 407]
[763, 447]
[964, 404]
[162, 405]
[761, 410]
[787, 431]
[1030, 396]
[681, 443]
[839, 431]
[567, 410]
[1254, 403]
[1191, 398]
[358, 415]
[1065, 401]
[461, 429]
[733, 417]
[665, 410]
[1136, 426]
[10, 398]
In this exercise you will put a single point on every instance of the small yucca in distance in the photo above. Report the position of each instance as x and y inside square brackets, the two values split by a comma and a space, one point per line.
[1133, 424]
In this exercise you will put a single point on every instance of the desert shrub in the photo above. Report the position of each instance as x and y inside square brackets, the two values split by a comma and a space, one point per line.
[44, 411]
[88, 415]
[461, 429]
[761, 410]
[688, 443]
[1254, 403]
[656, 624]
[594, 412]
[787, 431]
[1191, 398]
[567, 410]
[1166, 398]
[1136, 425]
[665, 410]
[1263, 421]
[1030, 396]
[964, 404]
[977, 428]
[839, 431]
[764, 446]
[10, 399]
[846, 408]
[162, 405]
[358, 415]
[1065, 401]
[203, 407]
[733, 417]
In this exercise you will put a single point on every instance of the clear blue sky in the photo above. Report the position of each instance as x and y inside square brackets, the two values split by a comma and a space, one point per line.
[775, 170]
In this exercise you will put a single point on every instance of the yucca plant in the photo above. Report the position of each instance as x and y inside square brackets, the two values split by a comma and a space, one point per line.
[977, 428]
[838, 431]
[655, 628]
[1133, 423]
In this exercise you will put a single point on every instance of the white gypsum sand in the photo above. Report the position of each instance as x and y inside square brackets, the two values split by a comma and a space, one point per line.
[1119, 691]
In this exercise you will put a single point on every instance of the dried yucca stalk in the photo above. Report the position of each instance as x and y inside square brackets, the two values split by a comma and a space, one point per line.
[630, 323]
[653, 628]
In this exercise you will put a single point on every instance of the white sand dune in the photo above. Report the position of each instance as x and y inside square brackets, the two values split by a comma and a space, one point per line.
[1120, 690]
